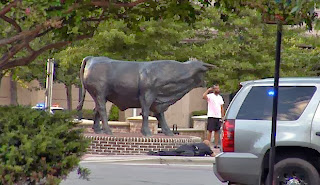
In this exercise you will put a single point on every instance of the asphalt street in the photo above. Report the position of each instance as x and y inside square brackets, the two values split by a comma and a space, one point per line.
[145, 174]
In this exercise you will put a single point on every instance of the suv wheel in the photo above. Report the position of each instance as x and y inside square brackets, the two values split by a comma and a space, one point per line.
[294, 171]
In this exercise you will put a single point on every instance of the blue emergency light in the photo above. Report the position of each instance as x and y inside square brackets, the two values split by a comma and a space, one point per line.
[271, 92]
[40, 105]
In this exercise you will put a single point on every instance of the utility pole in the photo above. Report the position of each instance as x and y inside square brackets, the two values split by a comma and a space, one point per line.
[49, 84]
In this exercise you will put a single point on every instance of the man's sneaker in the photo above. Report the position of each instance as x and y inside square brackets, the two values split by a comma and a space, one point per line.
[216, 146]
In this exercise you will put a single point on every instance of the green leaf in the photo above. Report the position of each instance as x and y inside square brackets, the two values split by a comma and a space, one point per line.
[295, 9]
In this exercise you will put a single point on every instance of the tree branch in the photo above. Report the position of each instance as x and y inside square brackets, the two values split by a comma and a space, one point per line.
[11, 21]
[44, 32]
[7, 8]
[23, 38]
[13, 50]
[254, 6]
[63, 43]
[20, 36]
[29, 48]
[26, 60]
[55, 23]
[95, 19]
[107, 3]
[74, 6]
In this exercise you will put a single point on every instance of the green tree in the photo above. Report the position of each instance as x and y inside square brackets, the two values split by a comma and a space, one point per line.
[115, 39]
[242, 47]
[288, 12]
[24, 24]
[67, 72]
[271, 12]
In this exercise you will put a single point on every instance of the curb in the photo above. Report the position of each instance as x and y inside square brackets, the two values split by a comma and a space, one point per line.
[151, 160]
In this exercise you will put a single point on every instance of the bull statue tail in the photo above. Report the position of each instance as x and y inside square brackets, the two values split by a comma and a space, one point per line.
[83, 95]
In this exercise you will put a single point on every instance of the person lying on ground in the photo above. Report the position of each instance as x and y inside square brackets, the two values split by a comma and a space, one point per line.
[195, 149]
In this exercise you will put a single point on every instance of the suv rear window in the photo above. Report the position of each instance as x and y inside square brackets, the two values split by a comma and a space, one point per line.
[292, 102]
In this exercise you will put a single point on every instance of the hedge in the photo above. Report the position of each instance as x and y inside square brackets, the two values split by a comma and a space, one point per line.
[37, 147]
[89, 114]
[199, 113]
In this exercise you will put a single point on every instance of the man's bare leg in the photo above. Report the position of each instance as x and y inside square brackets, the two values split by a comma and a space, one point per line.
[209, 135]
[216, 138]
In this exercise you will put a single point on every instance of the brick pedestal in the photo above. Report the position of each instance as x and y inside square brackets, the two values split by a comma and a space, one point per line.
[136, 124]
[135, 144]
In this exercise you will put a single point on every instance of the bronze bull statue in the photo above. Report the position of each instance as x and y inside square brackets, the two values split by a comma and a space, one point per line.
[151, 86]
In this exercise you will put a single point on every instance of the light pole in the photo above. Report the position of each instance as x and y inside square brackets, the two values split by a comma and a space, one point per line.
[80, 96]
[272, 153]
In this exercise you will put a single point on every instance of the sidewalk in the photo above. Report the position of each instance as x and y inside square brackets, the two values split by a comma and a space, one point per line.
[147, 159]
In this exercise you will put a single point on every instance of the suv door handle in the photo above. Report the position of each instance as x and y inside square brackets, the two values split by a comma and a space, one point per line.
[317, 133]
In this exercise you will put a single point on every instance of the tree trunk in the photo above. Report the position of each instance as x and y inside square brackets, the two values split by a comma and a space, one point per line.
[13, 91]
[1, 75]
[69, 96]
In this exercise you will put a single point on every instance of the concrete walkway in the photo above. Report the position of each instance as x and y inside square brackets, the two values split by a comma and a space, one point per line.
[147, 159]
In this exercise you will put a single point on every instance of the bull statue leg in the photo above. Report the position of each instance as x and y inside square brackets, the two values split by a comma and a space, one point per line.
[164, 126]
[101, 109]
[96, 122]
[146, 101]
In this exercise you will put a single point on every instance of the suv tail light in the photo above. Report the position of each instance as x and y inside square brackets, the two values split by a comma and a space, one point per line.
[228, 136]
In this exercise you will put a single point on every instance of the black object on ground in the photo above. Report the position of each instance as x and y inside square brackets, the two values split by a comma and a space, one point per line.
[196, 149]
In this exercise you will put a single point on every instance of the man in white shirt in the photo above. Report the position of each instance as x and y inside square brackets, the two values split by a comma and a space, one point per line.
[215, 112]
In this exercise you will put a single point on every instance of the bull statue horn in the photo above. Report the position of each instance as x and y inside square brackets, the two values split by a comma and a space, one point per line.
[210, 66]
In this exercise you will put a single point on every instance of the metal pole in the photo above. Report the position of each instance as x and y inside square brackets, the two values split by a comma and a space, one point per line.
[80, 96]
[49, 83]
[275, 104]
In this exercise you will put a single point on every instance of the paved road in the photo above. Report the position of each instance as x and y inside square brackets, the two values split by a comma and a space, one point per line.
[144, 174]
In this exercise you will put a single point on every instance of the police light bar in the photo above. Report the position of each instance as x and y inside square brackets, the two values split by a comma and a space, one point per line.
[40, 105]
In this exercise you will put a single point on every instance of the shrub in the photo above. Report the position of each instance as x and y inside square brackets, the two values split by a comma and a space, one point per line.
[199, 113]
[89, 114]
[86, 114]
[114, 113]
[37, 147]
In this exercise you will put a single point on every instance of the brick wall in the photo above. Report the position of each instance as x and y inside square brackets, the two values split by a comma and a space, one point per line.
[122, 145]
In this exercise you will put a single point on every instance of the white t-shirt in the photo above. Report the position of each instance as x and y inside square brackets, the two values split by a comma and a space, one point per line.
[214, 105]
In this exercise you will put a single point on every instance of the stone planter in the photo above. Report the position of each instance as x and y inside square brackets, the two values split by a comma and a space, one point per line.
[116, 126]
[199, 122]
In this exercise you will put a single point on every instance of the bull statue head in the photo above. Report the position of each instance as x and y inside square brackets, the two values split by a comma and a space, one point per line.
[199, 69]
